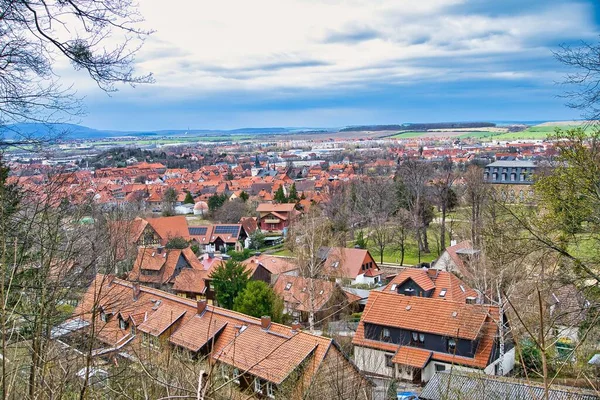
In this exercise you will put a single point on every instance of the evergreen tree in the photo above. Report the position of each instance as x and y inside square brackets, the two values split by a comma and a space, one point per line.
[229, 280]
[280, 195]
[258, 299]
[188, 199]
[244, 196]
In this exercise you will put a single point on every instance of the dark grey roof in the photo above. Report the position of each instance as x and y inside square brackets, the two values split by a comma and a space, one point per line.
[514, 163]
[446, 386]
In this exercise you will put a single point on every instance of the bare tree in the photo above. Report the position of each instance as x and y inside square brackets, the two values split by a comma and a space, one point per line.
[403, 226]
[308, 239]
[443, 195]
[584, 80]
[231, 212]
[415, 176]
[35, 34]
[475, 196]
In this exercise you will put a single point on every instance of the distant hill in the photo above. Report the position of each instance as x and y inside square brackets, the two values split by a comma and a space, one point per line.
[72, 131]
[419, 127]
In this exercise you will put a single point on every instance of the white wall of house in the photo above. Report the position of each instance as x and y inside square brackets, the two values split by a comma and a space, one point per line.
[369, 280]
[371, 360]
[508, 363]
[444, 263]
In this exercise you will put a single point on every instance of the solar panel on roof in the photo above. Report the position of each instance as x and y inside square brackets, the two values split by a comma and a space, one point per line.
[197, 231]
[225, 229]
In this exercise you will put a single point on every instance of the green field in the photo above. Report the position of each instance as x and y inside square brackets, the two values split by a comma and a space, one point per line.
[538, 132]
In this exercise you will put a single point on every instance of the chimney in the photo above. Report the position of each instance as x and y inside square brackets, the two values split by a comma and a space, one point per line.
[200, 306]
[433, 273]
[136, 291]
[296, 326]
[265, 322]
[110, 278]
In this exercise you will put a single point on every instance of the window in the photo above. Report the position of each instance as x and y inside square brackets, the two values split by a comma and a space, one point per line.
[236, 376]
[103, 316]
[418, 337]
[257, 385]
[385, 334]
[288, 286]
[335, 264]
[393, 287]
[122, 324]
[270, 390]
[451, 345]
[388, 360]
[443, 293]
[440, 367]
[321, 292]
[132, 330]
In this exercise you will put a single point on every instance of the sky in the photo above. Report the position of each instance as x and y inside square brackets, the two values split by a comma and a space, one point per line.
[327, 63]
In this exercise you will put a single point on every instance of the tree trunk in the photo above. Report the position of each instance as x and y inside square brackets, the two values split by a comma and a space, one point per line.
[425, 240]
[443, 229]
[402, 254]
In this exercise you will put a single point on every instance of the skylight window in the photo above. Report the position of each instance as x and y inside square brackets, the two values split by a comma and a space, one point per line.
[288, 286]
[321, 292]
[394, 286]
[335, 264]
[462, 288]
[443, 293]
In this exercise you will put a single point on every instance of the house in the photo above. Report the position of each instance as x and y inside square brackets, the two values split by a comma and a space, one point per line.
[412, 338]
[160, 267]
[150, 231]
[328, 299]
[459, 258]
[275, 265]
[275, 217]
[510, 172]
[255, 355]
[446, 385]
[221, 237]
[350, 265]
[432, 283]
[568, 309]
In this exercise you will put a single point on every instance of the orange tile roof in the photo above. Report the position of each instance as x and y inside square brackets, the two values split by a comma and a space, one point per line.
[455, 289]
[284, 207]
[423, 314]
[161, 319]
[349, 262]
[274, 264]
[195, 333]
[412, 356]
[295, 291]
[239, 340]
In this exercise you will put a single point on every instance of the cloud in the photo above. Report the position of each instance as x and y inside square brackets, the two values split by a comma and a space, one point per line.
[286, 50]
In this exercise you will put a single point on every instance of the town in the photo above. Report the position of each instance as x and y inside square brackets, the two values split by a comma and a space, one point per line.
[359, 267]
[299, 200]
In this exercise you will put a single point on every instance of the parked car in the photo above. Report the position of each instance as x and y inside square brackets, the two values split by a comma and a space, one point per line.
[407, 396]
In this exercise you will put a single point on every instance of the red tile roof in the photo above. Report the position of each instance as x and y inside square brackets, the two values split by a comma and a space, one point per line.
[442, 282]
[239, 340]
[412, 356]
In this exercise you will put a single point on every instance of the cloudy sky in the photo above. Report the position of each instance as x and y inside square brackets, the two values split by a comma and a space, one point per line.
[329, 63]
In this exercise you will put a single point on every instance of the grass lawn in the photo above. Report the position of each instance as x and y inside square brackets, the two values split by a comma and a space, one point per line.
[536, 132]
